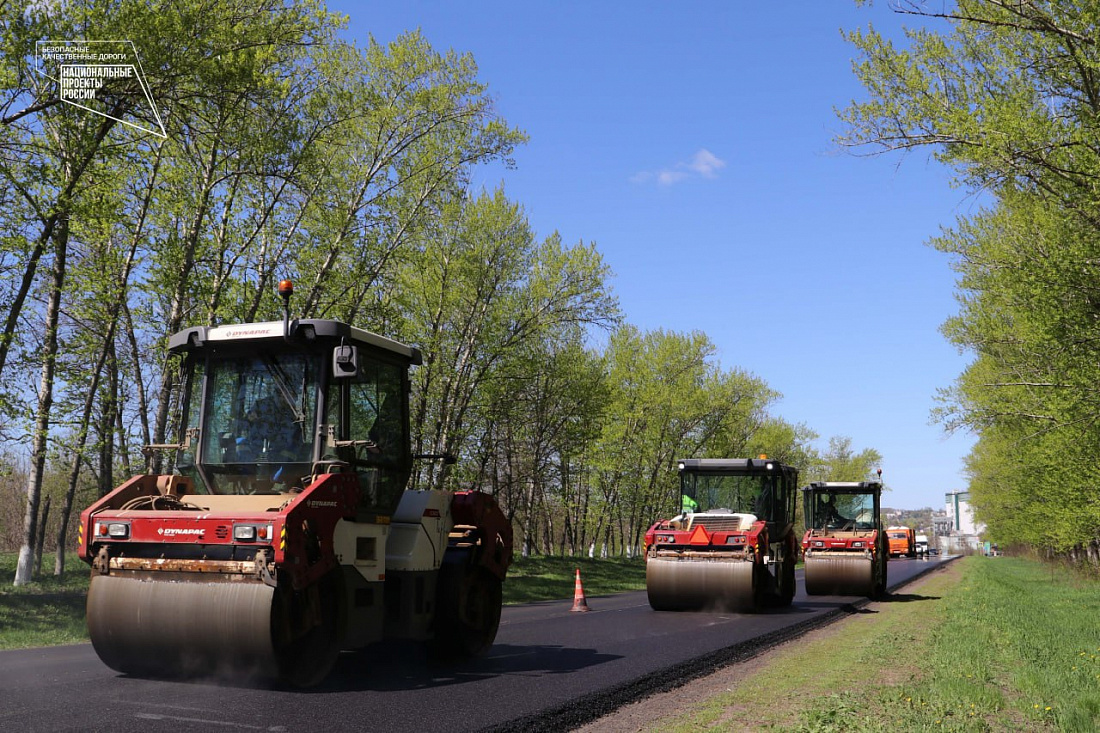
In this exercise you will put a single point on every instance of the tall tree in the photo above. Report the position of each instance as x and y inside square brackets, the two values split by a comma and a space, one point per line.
[840, 462]
[479, 291]
[669, 400]
[1008, 96]
[55, 154]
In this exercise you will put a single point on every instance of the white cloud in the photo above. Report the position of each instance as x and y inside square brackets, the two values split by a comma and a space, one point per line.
[704, 164]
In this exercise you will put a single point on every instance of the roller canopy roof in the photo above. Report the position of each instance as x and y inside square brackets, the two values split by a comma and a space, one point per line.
[305, 332]
[733, 465]
[841, 486]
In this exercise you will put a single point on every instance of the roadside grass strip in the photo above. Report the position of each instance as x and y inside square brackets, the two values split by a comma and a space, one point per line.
[988, 644]
[550, 577]
[46, 612]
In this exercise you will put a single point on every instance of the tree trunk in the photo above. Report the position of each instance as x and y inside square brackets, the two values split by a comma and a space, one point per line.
[25, 565]
[57, 220]
[41, 538]
[106, 436]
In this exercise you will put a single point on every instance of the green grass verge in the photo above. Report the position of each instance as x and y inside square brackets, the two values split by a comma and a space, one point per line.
[50, 610]
[46, 612]
[992, 644]
[548, 577]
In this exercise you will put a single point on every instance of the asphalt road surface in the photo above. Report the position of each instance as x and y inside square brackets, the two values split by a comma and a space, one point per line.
[550, 669]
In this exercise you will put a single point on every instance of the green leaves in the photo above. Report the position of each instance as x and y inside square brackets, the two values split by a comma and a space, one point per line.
[1009, 98]
[291, 153]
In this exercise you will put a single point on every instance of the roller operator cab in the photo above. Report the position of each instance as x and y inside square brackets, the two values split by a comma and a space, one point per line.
[285, 532]
[844, 546]
[732, 546]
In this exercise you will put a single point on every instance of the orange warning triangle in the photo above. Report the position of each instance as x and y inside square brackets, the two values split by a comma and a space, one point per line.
[699, 536]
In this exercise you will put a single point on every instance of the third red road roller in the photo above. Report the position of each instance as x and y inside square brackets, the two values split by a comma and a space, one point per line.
[844, 547]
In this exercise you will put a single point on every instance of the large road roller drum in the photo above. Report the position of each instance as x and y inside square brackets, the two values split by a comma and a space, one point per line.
[840, 576]
[165, 628]
[681, 585]
[162, 628]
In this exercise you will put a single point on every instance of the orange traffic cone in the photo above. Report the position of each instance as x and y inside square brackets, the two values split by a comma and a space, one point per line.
[579, 604]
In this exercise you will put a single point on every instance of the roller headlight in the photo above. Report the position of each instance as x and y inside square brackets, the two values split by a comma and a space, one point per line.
[252, 532]
[113, 530]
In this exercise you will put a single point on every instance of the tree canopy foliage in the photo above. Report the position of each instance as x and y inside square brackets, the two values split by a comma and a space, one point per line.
[1007, 94]
[291, 153]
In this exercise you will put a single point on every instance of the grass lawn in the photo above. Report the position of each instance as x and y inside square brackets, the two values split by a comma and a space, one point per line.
[50, 610]
[45, 612]
[992, 644]
[545, 578]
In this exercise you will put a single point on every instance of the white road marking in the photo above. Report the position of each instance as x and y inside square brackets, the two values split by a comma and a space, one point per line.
[206, 721]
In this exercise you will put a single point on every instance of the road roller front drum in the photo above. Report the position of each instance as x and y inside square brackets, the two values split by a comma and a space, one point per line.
[693, 584]
[178, 628]
[840, 576]
[234, 629]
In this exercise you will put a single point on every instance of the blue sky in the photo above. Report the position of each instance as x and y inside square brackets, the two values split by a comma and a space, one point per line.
[693, 143]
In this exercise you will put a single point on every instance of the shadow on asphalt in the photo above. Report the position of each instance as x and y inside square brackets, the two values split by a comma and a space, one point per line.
[394, 666]
[390, 667]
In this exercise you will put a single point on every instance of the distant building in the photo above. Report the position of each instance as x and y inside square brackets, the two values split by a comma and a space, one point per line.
[942, 524]
[961, 515]
[961, 529]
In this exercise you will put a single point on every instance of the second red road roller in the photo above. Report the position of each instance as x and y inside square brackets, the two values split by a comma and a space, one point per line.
[844, 546]
[732, 546]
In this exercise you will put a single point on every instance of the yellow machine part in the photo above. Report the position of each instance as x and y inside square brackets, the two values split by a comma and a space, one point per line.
[675, 584]
[839, 575]
[169, 628]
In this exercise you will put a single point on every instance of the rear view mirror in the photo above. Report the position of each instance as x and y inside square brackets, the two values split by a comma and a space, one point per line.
[345, 362]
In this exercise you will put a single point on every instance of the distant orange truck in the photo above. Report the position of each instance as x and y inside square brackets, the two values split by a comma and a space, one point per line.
[903, 541]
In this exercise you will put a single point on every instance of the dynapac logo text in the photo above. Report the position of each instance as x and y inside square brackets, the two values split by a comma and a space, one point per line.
[173, 531]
